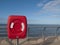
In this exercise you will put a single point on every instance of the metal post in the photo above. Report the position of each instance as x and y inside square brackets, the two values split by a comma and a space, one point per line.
[43, 34]
[17, 43]
[57, 33]
[27, 35]
[11, 41]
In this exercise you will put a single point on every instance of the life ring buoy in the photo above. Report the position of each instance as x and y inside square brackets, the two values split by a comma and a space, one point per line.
[22, 25]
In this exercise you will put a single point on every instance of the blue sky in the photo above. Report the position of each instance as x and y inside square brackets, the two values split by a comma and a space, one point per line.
[36, 11]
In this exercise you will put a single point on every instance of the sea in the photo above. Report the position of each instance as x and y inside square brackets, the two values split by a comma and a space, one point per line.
[35, 30]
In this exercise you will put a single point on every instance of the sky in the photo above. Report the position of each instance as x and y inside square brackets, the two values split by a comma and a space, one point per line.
[36, 11]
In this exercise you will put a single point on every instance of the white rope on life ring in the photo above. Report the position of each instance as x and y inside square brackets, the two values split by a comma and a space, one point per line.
[22, 24]
[12, 24]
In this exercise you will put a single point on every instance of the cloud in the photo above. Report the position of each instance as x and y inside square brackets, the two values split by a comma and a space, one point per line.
[56, 15]
[51, 7]
[43, 2]
[40, 4]
[32, 21]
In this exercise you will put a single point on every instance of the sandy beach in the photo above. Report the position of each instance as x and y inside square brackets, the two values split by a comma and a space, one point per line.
[32, 41]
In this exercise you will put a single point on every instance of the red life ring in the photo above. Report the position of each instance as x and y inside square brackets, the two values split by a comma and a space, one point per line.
[17, 25]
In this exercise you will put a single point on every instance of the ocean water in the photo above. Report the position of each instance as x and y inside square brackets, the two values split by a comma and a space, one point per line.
[35, 30]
